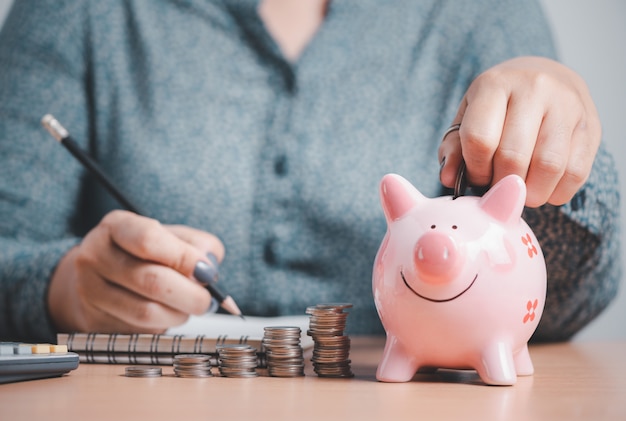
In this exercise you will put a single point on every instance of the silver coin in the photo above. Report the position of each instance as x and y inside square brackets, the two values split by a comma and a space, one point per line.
[191, 358]
[460, 184]
[193, 372]
[241, 375]
[237, 360]
[339, 375]
[279, 342]
[283, 351]
[290, 372]
[328, 321]
[333, 357]
[193, 375]
[340, 306]
[331, 348]
[282, 329]
[192, 365]
[143, 371]
[236, 372]
[238, 357]
[234, 347]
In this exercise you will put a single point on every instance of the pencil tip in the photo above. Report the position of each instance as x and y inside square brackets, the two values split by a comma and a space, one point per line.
[229, 305]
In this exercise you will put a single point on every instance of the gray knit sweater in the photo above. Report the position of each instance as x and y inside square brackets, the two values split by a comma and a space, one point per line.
[190, 107]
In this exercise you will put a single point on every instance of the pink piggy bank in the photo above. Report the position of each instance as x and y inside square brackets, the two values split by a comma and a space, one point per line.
[458, 283]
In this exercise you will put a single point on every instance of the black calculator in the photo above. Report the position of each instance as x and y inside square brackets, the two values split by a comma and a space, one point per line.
[21, 361]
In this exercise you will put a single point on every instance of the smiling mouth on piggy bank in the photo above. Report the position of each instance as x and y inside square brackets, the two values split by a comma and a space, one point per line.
[435, 300]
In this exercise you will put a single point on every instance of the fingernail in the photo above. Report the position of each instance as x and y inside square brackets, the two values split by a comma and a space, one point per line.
[205, 273]
[213, 259]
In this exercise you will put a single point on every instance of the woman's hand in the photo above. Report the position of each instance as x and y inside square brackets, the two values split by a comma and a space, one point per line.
[131, 274]
[529, 116]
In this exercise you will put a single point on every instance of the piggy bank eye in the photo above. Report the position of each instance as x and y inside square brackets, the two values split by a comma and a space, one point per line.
[454, 227]
[432, 227]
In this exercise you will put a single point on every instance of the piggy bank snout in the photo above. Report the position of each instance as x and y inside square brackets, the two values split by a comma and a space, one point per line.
[437, 257]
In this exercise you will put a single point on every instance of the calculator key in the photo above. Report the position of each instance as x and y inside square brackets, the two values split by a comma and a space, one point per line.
[58, 349]
[41, 348]
[22, 349]
[20, 361]
[6, 349]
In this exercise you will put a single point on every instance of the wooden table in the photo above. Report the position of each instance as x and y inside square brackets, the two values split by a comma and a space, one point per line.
[572, 381]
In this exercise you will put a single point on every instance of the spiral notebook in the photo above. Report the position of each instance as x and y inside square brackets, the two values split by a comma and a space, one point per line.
[201, 334]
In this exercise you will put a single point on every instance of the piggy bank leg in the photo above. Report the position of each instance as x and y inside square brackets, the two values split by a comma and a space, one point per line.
[523, 363]
[497, 366]
[397, 365]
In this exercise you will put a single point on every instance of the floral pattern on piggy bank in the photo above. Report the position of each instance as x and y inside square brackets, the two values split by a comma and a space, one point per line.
[458, 283]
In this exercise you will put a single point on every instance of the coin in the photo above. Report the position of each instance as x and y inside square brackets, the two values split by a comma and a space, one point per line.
[331, 348]
[283, 351]
[192, 365]
[460, 184]
[237, 360]
[143, 371]
[191, 358]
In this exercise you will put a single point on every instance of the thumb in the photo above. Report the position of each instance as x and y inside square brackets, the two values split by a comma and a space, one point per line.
[450, 153]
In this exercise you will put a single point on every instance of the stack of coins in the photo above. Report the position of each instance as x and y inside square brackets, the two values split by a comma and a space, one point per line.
[331, 349]
[237, 360]
[283, 351]
[143, 371]
[192, 365]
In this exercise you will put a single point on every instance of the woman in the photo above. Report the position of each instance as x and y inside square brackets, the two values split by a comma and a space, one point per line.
[259, 133]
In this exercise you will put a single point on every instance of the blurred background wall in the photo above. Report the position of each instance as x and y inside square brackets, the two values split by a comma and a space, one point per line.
[590, 36]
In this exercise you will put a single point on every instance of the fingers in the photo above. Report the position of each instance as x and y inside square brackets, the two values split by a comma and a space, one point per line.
[80, 299]
[514, 152]
[112, 308]
[450, 158]
[149, 281]
[549, 160]
[581, 156]
[481, 129]
[132, 271]
[204, 241]
[482, 115]
[531, 117]
[147, 239]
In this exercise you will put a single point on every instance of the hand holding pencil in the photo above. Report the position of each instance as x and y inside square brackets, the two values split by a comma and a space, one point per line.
[131, 274]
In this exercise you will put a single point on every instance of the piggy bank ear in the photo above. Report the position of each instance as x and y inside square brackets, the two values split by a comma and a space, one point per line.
[505, 200]
[398, 196]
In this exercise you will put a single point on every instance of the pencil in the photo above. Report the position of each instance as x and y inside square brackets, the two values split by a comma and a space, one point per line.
[205, 273]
